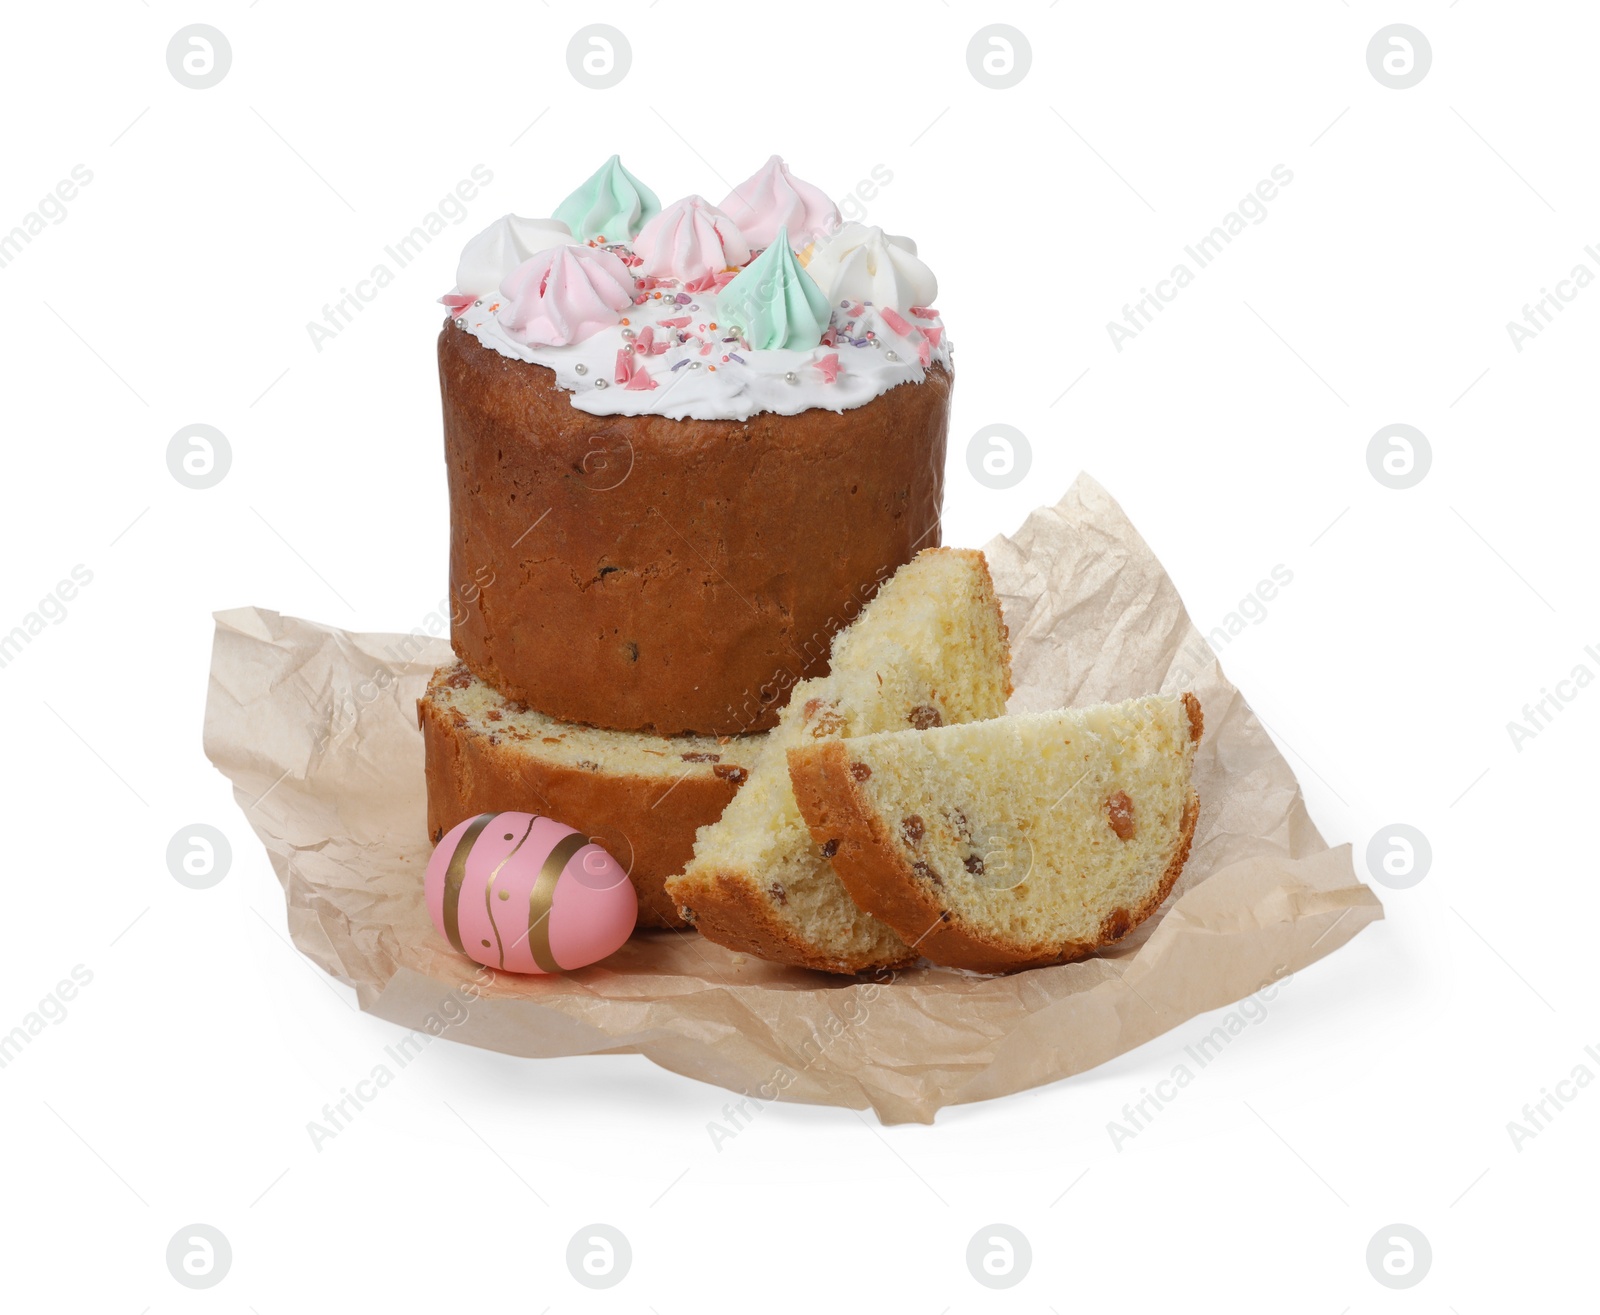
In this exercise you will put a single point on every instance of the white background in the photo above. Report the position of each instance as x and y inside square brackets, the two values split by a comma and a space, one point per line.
[1379, 1086]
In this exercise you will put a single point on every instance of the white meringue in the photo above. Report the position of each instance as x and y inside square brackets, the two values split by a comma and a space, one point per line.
[863, 263]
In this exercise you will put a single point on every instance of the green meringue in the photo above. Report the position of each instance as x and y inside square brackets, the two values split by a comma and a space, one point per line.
[612, 204]
[774, 301]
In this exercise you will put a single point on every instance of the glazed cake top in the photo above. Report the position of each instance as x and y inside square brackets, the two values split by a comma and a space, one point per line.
[767, 302]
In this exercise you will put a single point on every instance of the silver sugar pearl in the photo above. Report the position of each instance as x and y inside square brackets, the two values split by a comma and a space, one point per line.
[694, 307]
[601, 383]
[580, 368]
[694, 365]
[629, 334]
[461, 324]
[876, 342]
[479, 302]
[790, 377]
[628, 350]
[891, 356]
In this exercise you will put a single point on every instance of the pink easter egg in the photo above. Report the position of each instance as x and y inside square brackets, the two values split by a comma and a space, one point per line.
[525, 894]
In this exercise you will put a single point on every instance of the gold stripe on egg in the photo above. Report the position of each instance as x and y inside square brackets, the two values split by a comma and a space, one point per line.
[540, 897]
[455, 874]
[488, 892]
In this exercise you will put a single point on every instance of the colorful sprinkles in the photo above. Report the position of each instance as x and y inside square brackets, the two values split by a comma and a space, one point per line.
[853, 325]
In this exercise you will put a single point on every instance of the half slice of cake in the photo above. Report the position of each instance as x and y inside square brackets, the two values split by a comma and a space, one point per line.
[929, 650]
[1012, 843]
[642, 797]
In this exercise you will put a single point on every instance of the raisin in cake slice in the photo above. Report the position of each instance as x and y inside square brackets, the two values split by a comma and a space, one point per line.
[1012, 843]
[641, 796]
[929, 649]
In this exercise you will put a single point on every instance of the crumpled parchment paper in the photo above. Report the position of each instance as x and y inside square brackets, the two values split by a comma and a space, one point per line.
[316, 728]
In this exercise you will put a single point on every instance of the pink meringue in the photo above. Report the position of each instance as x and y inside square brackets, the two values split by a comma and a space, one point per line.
[691, 240]
[564, 295]
[773, 198]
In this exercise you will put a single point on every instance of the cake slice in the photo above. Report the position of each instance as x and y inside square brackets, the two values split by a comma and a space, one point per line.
[1012, 843]
[930, 649]
[641, 796]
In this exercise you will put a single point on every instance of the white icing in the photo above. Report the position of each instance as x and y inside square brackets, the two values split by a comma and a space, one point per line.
[733, 390]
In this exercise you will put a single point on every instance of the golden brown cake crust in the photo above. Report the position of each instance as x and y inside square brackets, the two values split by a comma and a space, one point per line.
[881, 881]
[648, 831]
[638, 572]
[725, 911]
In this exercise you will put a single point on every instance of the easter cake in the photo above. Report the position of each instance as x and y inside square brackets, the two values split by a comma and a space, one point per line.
[684, 444]
[713, 669]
